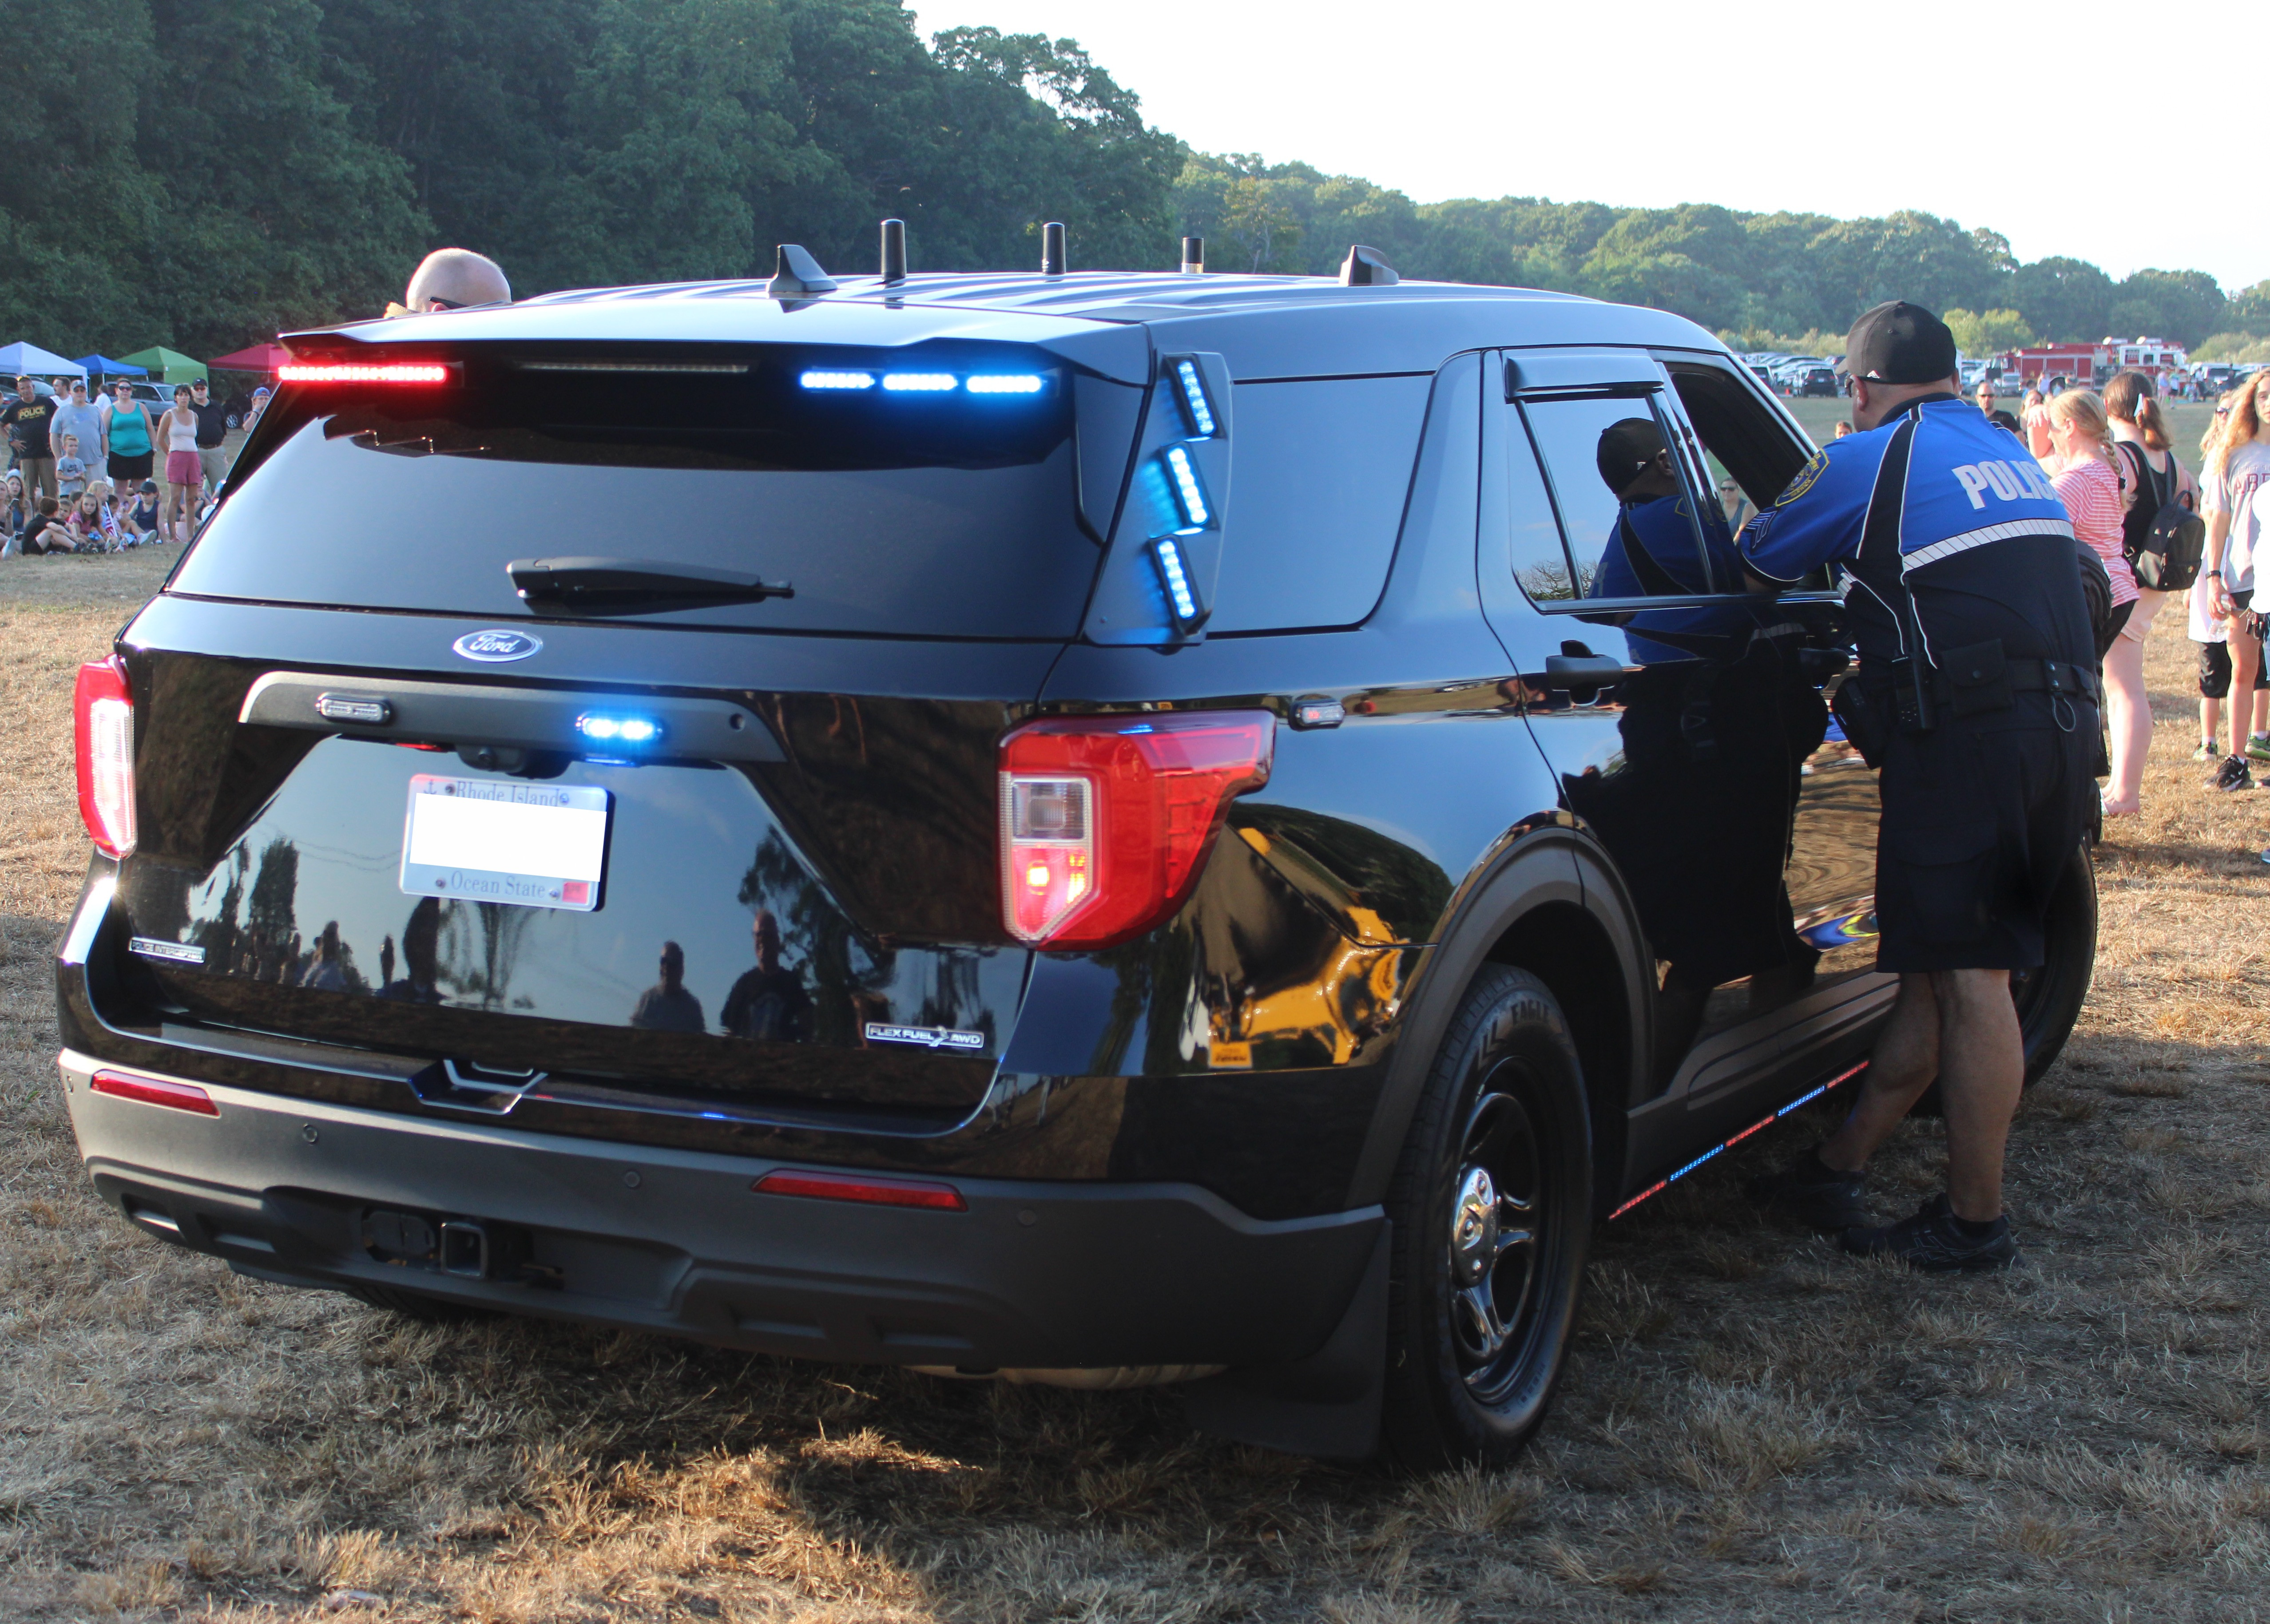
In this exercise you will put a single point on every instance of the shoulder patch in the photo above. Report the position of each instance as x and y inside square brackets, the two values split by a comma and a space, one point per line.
[1815, 467]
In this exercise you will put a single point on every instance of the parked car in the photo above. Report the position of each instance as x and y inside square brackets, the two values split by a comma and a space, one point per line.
[1160, 846]
[1814, 381]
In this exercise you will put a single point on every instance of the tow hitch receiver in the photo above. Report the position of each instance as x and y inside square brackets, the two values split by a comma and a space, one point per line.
[467, 1248]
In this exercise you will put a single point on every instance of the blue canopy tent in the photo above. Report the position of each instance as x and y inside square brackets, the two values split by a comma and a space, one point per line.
[19, 359]
[103, 366]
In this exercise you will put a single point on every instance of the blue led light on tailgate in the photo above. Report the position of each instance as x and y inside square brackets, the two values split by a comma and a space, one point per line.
[1196, 406]
[602, 729]
[1189, 493]
[1177, 578]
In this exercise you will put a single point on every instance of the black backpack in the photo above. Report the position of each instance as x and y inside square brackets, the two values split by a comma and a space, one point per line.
[2163, 539]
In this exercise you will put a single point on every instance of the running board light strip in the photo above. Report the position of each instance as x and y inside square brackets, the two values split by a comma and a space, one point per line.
[1767, 1120]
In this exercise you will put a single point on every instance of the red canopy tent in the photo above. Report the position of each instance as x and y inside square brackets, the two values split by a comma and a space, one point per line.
[263, 357]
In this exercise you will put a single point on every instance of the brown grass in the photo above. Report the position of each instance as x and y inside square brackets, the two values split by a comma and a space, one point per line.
[1755, 1427]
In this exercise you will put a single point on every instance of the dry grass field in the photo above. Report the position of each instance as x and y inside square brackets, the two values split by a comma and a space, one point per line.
[1755, 1427]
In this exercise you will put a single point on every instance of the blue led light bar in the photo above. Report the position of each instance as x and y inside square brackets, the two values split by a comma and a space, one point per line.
[1005, 383]
[1196, 406]
[920, 383]
[1175, 577]
[605, 730]
[838, 380]
[1189, 493]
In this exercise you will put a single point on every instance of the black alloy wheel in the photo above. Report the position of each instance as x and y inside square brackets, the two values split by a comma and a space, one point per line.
[1492, 1207]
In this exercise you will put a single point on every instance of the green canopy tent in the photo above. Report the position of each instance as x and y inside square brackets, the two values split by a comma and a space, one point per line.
[166, 366]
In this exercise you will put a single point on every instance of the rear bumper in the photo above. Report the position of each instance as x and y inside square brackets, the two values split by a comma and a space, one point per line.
[1033, 1274]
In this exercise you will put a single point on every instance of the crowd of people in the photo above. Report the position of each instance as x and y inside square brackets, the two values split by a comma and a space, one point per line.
[105, 475]
[2111, 459]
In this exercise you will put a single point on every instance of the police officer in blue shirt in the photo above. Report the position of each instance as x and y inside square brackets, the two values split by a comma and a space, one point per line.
[1975, 694]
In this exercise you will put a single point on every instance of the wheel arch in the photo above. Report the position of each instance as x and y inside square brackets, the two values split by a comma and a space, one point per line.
[1546, 904]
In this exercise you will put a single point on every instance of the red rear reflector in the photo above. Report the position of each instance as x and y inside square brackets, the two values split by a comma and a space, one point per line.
[1106, 821]
[102, 715]
[387, 372]
[155, 1091]
[862, 1186]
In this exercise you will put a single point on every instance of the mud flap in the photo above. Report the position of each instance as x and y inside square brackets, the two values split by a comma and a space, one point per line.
[1327, 1405]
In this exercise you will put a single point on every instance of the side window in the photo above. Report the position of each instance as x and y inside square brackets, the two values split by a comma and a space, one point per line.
[1612, 469]
[1748, 453]
[1319, 472]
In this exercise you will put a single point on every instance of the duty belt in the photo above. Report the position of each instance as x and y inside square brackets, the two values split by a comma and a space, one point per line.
[2051, 676]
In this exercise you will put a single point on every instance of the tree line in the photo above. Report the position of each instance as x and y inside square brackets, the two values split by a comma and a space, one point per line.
[211, 172]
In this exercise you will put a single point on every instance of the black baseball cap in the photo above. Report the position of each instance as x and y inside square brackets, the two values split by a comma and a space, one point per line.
[1625, 450]
[1899, 343]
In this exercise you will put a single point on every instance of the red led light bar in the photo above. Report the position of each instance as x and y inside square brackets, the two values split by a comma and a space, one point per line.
[154, 1091]
[862, 1186]
[364, 372]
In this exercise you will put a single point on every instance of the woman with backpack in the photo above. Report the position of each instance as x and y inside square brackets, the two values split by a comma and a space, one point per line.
[2091, 478]
[2162, 550]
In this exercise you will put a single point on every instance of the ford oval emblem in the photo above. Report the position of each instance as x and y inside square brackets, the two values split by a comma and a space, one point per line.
[496, 645]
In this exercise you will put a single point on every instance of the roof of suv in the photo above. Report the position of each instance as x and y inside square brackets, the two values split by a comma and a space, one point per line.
[1266, 327]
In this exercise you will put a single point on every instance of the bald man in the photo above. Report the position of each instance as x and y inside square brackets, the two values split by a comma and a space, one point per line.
[451, 279]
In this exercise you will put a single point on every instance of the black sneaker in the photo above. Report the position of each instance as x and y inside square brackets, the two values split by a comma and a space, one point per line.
[1818, 1197]
[1934, 1242]
[2232, 774]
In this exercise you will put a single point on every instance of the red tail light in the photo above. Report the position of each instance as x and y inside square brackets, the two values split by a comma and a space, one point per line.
[1106, 820]
[155, 1091]
[862, 1186]
[102, 708]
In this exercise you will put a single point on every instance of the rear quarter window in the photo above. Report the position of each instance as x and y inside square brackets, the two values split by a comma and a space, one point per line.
[1319, 472]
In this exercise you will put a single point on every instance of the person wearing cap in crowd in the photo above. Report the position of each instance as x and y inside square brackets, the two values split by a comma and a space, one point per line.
[260, 398]
[453, 279]
[1976, 695]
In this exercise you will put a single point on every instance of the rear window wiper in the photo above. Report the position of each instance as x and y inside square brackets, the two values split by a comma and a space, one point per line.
[595, 585]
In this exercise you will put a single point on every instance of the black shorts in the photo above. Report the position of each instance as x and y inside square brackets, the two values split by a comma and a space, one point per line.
[135, 468]
[2215, 671]
[1980, 819]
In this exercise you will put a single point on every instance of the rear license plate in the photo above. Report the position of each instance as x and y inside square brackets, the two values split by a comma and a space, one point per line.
[532, 844]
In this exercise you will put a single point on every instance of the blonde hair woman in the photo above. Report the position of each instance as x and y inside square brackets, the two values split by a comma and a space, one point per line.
[2091, 478]
[2231, 499]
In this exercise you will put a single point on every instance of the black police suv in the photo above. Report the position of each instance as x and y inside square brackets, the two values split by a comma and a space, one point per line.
[1118, 828]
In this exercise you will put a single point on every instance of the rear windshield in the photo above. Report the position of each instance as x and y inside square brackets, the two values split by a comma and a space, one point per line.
[923, 493]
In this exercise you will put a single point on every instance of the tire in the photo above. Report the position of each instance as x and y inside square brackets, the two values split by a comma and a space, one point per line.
[1501, 1146]
[2049, 999]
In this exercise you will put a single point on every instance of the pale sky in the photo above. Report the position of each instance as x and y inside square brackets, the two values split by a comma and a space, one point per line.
[1769, 105]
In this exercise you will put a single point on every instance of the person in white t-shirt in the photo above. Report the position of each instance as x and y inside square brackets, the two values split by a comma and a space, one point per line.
[2236, 510]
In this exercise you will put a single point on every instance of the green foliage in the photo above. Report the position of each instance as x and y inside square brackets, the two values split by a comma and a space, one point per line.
[1988, 332]
[2244, 348]
[249, 166]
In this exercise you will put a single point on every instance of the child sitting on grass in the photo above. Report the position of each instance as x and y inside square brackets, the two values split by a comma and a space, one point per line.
[45, 533]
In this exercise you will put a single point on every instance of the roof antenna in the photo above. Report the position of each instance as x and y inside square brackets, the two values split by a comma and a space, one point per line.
[1052, 249]
[1366, 268]
[894, 251]
[796, 273]
[1193, 256]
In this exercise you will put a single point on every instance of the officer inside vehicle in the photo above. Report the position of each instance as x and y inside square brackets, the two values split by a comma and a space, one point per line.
[1713, 727]
[1976, 695]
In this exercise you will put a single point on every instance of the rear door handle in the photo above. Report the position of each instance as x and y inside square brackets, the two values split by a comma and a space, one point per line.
[1582, 670]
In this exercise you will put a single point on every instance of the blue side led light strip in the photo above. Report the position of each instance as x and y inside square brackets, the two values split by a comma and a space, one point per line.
[838, 380]
[1767, 1120]
[1005, 383]
[1196, 406]
[920, 383]
[1176, 579]
[1190, 495]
